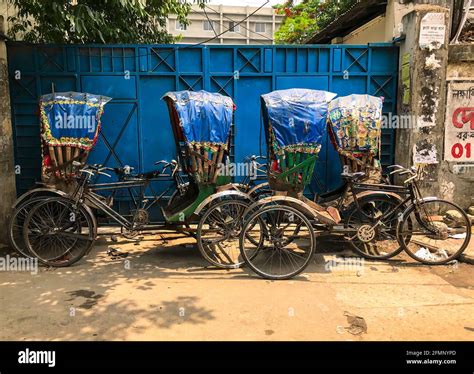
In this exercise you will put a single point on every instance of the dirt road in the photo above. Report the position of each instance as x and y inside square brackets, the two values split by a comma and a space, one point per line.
[163, 291]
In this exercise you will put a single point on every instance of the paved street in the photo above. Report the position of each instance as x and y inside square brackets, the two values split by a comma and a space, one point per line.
[163, 291]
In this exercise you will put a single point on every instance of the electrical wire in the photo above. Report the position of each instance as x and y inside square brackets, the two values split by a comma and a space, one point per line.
[210, 22]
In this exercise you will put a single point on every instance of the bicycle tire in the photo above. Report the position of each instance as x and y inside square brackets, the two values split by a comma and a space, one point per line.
[249, 260]
[32, 220]
[415, 209]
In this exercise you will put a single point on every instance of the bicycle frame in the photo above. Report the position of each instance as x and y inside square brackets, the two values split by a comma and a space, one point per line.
[85, 193]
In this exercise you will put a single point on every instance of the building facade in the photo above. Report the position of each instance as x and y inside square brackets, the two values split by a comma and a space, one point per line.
[374, 21]
[6, 10]
[224, 21]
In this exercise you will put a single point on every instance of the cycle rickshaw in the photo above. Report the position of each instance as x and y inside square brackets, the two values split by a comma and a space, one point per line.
[61, 229]
[278, 237]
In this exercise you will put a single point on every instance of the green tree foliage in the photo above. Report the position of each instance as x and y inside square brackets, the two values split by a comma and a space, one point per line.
[96, 21]
[305, 19]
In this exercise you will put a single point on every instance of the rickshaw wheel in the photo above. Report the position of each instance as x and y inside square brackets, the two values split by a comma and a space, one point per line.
[288, 242]
[58, 233]
[16, 223]
[218, 233]
[440, 231]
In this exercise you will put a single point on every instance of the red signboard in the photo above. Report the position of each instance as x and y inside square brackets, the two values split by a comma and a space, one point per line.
[459, 132]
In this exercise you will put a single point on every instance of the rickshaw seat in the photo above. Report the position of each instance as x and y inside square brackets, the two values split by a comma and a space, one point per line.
[182, 201]
[354, 177]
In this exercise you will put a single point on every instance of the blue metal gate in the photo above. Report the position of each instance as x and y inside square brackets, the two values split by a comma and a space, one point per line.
[136, 124]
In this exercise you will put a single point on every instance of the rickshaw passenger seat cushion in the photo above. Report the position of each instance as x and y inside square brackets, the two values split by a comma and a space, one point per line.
[327, 215]
[181, 201]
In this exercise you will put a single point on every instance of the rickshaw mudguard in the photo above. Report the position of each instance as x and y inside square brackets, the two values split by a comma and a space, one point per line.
[351, 203]
[385, 193]
[258, 186]
[221, 194]
[312, 210]
[37, 191]
[417, 201]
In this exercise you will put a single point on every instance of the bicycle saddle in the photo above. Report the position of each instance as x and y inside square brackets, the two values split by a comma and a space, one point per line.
[353, 177]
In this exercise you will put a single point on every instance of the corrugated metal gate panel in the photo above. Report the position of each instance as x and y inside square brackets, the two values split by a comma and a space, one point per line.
[136, 123]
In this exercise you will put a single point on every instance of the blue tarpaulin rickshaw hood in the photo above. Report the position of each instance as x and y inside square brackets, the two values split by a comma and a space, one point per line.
[204, 117]
[71, 118]
[297, 116]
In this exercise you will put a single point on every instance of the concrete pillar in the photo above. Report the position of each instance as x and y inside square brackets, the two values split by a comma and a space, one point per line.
[7, 175]
[273, 27]
[422, 91]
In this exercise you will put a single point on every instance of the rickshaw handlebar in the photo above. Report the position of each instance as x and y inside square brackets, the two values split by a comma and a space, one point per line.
[173, 164]
[92, 169]
[414, 172]
[255, 158]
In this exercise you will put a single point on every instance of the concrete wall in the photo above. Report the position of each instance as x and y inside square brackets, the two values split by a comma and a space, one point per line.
[7, 176]
[458, 178]
[371, 32]
[426, 100]
[381, 29]
[6, 10]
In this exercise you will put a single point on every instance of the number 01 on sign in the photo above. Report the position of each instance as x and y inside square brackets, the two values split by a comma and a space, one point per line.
[459, 131]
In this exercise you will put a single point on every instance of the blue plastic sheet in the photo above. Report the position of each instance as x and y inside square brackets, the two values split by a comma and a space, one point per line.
[204, 117]
[297, 116]
[71, 118]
